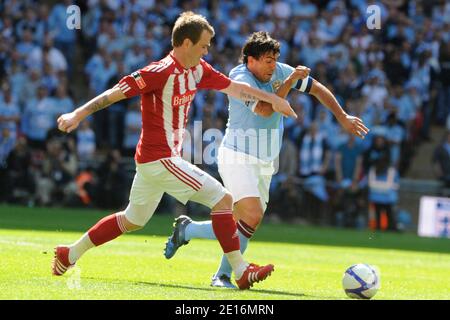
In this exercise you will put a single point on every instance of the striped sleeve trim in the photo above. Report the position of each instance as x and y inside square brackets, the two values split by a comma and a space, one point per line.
[123, 86]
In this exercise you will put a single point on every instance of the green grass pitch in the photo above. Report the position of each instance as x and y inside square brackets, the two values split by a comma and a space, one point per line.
[309, 261]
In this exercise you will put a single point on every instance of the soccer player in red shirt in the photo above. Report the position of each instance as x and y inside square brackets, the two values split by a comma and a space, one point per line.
[167, 88]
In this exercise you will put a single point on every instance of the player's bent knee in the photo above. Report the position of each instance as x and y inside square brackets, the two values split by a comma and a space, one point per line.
[252, 218]
[250, 211]
[225, 203]
[137, 216]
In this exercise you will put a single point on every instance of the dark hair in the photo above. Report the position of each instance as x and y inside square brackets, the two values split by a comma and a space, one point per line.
[258, 44]
[189, 26]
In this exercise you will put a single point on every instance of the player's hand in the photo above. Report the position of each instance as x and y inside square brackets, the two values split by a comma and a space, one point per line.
[68, 122]
[300, 72]
[353, 125]
[282, 106]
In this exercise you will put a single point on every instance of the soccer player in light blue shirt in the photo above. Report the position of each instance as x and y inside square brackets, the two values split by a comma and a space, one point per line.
[252, 142]
[247, 131]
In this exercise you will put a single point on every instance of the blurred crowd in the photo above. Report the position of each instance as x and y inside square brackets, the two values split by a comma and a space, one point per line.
[396, 78]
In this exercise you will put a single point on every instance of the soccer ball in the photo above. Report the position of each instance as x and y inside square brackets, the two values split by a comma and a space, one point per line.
[361, 281]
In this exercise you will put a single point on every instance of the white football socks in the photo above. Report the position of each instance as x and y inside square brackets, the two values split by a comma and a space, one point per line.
[78, 248]
[225, 267]
[237, 263]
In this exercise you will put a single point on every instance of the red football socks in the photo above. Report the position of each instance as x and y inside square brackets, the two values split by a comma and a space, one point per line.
[107, 229]
[225, 229]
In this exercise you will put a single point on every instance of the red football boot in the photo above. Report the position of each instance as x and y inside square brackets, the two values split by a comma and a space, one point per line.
[254, 273]
[61, 262]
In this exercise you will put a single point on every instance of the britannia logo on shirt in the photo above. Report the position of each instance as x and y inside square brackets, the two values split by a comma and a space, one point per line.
[276, 84]
[139, 80]
[183, 99]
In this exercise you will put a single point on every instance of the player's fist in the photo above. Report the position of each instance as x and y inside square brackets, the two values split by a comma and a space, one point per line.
[68, 122]
[300, 72]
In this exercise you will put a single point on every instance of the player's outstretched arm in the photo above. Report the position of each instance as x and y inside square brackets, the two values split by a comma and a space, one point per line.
[244, 91]
[70, 121]
[351, 124]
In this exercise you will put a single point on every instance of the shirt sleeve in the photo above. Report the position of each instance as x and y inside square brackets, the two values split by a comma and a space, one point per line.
[212, 79]
[142, 81]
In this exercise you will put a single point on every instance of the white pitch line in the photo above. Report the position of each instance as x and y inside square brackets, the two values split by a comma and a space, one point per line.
[22, 243]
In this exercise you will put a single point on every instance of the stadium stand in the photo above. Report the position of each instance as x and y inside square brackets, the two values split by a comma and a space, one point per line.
[395, 78]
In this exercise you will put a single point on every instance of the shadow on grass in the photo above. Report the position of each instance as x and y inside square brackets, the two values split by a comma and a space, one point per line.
[272, 292]
[80, 220]
[227, 291]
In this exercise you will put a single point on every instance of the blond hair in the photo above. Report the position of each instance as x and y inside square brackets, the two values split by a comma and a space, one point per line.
[189, 26]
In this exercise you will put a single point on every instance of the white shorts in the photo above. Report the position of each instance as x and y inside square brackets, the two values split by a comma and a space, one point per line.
[177, 177]
[244, 175]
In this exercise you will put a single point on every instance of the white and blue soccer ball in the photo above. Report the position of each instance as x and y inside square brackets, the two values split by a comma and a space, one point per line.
[361, 281]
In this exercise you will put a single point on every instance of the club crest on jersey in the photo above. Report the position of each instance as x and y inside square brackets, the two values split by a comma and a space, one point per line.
[276, 84]
[139, 80]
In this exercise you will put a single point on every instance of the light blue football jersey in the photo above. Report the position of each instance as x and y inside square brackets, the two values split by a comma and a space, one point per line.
[248, 132]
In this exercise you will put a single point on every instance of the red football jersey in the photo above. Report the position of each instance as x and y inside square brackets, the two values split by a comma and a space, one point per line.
[167, 91]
